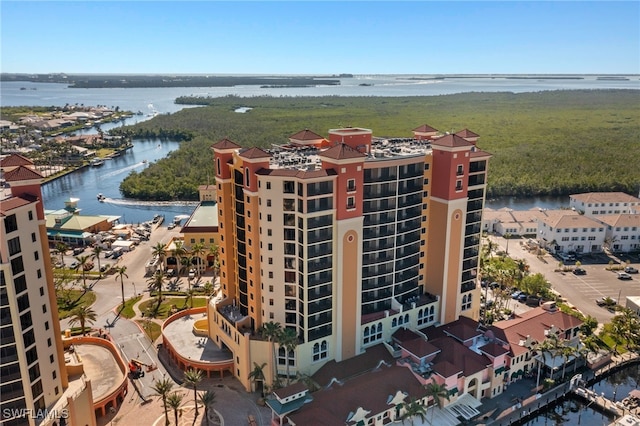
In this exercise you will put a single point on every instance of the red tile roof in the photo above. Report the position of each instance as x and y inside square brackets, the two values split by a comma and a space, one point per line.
[452, 141]
[464, 359]
[254, 153]
[306, 135]
[21, 173]
[340, 152]
[12, 203]
[370, 391]
[493, 349]
[466, 133]
[420, 348]
[446, 369]
[533, 323]
[425, 128]
[462, 329]
[14, 160]
[404, 335]
[354, 366]
[290, 390]
[225, 144]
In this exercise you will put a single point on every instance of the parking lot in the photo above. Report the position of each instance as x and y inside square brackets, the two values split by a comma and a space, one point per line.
[582, 291]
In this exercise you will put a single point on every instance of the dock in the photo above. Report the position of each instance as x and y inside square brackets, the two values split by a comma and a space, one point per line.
[602, 403]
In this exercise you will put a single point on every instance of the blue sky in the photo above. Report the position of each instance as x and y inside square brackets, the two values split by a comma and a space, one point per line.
[320, 37]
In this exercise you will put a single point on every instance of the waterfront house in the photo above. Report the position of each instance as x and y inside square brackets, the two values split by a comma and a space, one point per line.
[567, 231]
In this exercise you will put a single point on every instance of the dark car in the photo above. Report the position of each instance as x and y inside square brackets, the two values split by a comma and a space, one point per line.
[522, 297]
[78, 250]
[579, 271]
[533, 301]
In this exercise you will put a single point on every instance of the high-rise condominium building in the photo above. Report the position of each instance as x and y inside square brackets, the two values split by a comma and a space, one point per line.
[32, 356]
[343, 240]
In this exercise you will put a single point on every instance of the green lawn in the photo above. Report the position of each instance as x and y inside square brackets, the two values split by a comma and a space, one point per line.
[164, 310]
[128, 312]
[74, 299]
[151, 328]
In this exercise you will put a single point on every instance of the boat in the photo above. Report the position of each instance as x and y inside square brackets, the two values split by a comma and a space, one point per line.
[101, 197]
[96, 162]
[144, 161]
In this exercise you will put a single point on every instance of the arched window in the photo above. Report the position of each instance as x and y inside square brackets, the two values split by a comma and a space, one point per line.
[431, 314]
[394, 323]
[320, 351]
[406, 318]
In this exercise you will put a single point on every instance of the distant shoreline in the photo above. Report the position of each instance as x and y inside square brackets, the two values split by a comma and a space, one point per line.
[85, 81]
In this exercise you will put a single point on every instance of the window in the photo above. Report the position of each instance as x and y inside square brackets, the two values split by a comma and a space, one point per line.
[218, 168]
[30, 214]
[11, 223]
[459, 170]
[320, 350]
[458, 185]
[268, 203]
[269, 217]
[351, 185]
[246, 176]
[426, 166]
[14, 246]
[466, 302]
[33, 237]
[270, 302]
[351, 202]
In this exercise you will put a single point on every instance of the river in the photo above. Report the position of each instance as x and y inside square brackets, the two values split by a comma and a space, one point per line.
[573, 411]
[87, 183]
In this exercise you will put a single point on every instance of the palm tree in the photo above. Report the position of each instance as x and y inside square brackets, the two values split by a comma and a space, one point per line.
[193, 377]
[82, 314]
[83, 260]
[121, 272]
[289, 340]
[158, 251]
[162, 389]
[96, 255]
[174, 401]
[436, 392]
[178, 252]
[414, 409]
[271, 331]
[207, 399]
[156, 281]
[198, 252]
[214, 250]
[567, 351]
[507, 236]
[257, 375]
[62, 249]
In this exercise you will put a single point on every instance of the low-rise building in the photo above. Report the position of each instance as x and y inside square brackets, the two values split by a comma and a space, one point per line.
[601, 203]
[622, 231]
[562, 231]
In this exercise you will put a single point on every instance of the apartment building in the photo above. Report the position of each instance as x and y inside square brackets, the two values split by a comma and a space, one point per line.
[622, 231]
[344, 240]
[567, 231]
[604, 203]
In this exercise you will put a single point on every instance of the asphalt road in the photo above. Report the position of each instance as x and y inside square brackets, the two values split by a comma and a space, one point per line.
[582, 291]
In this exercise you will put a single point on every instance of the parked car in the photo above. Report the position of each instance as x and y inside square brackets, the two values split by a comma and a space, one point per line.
[630, 270]
[74, 264]
[579, 271]
[606, 301]
[78, 250]
[516, 294]
[494, 284]
[623, 276]
[104, 268]
[171, 226]
[192, 274]
[533, 301]
[522, 297]
[108, 254]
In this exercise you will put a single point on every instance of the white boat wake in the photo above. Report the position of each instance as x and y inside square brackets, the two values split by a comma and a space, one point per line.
[124, 169]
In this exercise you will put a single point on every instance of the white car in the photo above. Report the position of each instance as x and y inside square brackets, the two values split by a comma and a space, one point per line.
[192, 274]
